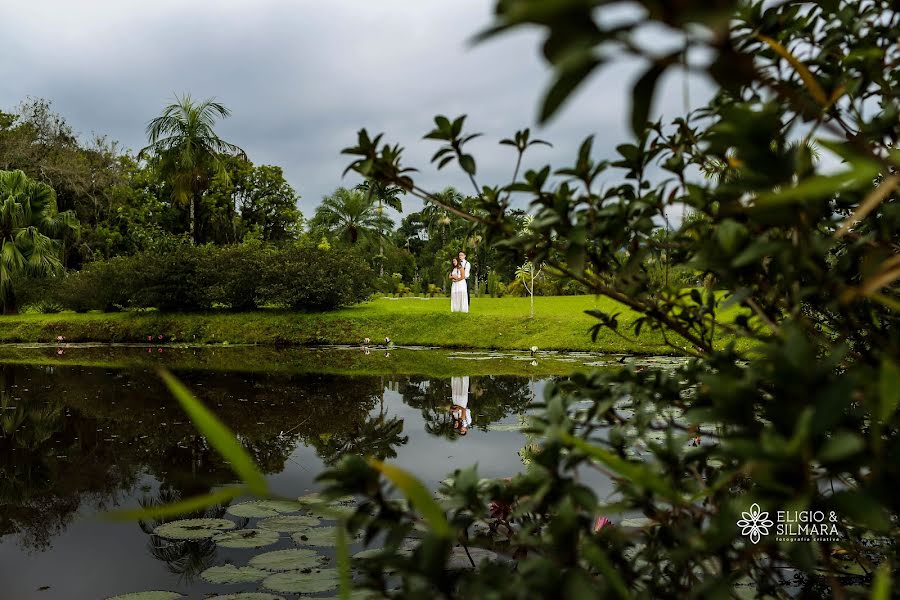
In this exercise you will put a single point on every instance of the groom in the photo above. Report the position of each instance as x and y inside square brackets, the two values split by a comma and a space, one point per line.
[466, 266]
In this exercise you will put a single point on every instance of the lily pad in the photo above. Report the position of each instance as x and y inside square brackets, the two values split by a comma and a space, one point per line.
[281, 506]
[315, 499]
[251, 510]
[226, 574]
[507, 427]
[460, 560]
[298, 582]
[636, 522]
[288, 523]
[155, 595]
[193, 529]
[246, 538]
[287, 560]
[249, 596]
[264, 508]
[324, 537]
[331, 512]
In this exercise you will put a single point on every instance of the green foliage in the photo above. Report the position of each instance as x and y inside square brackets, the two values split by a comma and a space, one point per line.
[31, 233]
[238, 277]
[796, 412]
[306, 278]
[187, 151]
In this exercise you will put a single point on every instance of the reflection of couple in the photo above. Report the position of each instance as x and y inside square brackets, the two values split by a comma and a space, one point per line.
[460, 414]
[459, 289]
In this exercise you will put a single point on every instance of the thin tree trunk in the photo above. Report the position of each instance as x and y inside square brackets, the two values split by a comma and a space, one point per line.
[193, 219]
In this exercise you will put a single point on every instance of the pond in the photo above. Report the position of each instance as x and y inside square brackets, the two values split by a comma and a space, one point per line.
[84, 430]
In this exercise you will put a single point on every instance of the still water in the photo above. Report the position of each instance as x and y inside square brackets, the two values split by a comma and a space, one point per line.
[84, 431]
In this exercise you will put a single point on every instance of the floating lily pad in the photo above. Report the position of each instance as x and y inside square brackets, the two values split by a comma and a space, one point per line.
[249, 596]
[251, 510]
[298, 582]
[507, 427]
[288, 523]
[147, 596]
[226, 574]
[356, 595]
[193, 529]
[324, 537]
[315, 499]
[287, 560]
[636, 522]
[331, 512]
[281, 506]
[460, 560]
[246, 538]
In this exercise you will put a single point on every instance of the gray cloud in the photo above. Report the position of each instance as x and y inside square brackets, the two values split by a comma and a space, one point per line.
[301, 78]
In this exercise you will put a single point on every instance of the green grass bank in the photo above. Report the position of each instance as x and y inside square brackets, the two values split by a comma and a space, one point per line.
[493, 323]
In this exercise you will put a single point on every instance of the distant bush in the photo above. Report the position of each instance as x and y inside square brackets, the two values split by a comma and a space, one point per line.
[102, 285]
[180, 280]
[307, 278]
[233, 273]
[189, 278]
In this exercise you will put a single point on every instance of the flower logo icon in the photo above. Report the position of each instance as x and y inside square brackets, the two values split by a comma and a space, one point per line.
[755, 523]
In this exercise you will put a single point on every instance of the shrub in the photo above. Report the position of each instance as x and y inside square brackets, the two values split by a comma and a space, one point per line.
[172, 281]
[307, 278]
[103, 285]
[233, 274]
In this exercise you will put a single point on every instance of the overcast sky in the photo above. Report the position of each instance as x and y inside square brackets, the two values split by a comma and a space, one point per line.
[302, 77]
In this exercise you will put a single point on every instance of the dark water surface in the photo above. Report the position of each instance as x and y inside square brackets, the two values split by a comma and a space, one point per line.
[78, 438]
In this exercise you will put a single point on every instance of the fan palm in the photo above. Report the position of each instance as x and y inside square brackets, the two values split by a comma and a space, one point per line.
[31, 229]
[189, 152]
[352, 215]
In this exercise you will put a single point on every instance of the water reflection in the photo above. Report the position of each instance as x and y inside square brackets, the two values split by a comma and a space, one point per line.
[459, 409]
[75, 441]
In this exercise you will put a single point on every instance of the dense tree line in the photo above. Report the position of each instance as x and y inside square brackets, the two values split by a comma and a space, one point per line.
[189, 187]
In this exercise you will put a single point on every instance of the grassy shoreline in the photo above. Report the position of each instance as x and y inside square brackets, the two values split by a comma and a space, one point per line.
[494, 323]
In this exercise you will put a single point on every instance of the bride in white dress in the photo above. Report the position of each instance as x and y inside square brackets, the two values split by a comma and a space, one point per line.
[459, 297]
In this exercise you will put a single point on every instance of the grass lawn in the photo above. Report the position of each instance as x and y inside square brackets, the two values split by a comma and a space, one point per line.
[501, 323]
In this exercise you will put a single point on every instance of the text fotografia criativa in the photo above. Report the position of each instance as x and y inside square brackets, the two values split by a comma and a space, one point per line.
[806, 526]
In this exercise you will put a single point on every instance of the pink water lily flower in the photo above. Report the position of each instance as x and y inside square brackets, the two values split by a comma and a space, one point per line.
[600, 523]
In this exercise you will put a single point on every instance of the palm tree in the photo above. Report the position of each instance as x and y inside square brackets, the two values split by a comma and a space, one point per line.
[31, 229]
[188, 150]
[386, 195]
[351, 214]
[437, 218]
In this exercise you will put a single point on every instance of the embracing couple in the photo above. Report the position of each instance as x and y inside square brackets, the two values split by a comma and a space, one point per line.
[459, 289]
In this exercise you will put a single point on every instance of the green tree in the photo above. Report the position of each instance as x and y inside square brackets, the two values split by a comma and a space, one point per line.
[31, 230]
[351, 215]
[188, 150]
[386, 196]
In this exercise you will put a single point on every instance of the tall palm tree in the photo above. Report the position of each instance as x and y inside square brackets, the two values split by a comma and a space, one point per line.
[438, 219]
[352, 215]
[31, 230]
[386, 195]
[189, 152]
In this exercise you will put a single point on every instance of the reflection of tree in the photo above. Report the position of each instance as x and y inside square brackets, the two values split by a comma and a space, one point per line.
[372, 436]
[491, 399]
[70, 435]
[185, 558]
[46, 460]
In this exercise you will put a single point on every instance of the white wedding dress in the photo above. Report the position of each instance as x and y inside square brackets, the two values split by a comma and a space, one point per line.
[459, 297]
[459, 397]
